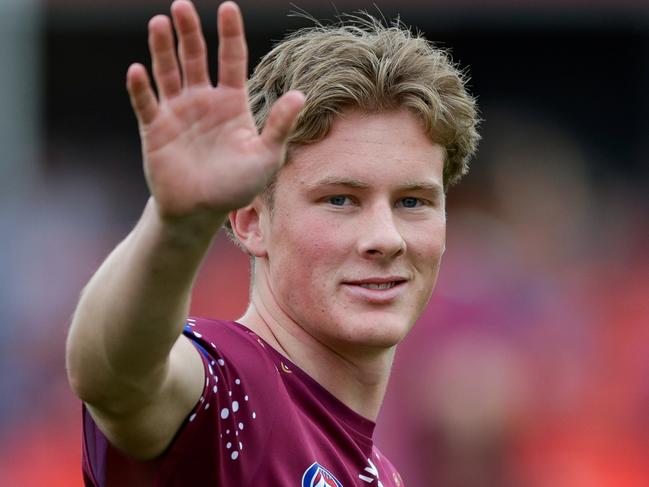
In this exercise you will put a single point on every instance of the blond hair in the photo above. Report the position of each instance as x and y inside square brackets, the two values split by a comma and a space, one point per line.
[362, 63]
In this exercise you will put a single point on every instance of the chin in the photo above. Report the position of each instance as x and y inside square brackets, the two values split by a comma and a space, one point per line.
[374, 333]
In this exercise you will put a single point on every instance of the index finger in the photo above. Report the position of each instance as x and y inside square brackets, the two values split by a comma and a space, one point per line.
[233, 51]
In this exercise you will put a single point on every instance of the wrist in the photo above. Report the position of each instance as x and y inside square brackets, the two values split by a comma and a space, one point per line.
[196, 230]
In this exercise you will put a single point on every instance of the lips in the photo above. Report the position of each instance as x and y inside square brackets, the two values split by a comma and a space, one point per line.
[383, 285]
[377, 281]
[378, 290]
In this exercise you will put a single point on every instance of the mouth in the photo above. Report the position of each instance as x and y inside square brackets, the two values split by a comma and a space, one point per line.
[376, 290]
[383, 285]
[385, 282]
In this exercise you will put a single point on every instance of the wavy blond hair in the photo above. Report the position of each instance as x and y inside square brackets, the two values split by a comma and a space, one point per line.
[360, 62]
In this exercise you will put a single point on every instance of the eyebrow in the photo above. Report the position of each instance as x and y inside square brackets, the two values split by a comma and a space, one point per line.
[423, 186]
[336, 181]
[358, 184]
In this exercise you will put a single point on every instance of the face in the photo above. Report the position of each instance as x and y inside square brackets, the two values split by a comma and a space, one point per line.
[354, 242]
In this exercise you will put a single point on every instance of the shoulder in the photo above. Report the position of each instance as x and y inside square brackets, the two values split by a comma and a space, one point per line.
[384, 468]
[242, 382]
[232, 349]
[217, 440]
[222, 337]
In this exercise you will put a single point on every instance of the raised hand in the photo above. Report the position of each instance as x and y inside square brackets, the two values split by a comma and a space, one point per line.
[201, 149]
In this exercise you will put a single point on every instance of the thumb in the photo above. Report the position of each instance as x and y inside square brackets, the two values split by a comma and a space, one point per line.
[143, 100]
[281, 119]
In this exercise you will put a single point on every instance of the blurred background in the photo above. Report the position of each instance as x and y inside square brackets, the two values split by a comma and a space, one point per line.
[530, 366]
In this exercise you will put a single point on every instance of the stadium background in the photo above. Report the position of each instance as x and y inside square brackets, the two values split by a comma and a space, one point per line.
[529, 368]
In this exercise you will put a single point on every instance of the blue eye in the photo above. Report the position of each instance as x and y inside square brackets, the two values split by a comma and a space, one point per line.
[411, 202]
[338, 200]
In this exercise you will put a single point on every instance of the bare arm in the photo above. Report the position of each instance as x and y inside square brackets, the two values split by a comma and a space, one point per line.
[202, 158]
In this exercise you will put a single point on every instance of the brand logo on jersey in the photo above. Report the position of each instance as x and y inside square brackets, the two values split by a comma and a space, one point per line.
[318, 476]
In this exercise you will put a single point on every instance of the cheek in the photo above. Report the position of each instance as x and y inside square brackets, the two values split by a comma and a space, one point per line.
[303, 260]
[313, 238]
[429, 243]
[426, 253]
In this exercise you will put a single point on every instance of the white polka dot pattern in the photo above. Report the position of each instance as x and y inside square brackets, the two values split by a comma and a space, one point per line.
[229, 410]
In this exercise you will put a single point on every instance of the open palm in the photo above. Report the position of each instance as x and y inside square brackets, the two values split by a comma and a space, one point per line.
[201, 149]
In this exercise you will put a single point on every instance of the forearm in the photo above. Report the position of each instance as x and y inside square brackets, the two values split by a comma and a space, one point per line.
[133, 309]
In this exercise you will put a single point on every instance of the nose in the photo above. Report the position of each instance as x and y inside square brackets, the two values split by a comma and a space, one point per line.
[380, 237]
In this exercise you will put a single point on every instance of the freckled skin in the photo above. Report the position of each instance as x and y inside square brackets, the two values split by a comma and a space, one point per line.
[315, 244]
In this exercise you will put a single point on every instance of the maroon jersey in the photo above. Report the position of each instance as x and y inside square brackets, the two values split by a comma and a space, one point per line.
[261, 421]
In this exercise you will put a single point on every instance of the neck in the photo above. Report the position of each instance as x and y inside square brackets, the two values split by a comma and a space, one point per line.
[356, 375]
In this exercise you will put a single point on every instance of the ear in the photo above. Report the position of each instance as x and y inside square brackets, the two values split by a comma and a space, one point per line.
[247, 227]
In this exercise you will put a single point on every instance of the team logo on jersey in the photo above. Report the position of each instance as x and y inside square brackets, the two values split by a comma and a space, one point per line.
[318, 476]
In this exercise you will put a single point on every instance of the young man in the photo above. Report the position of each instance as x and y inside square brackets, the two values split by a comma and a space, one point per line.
[345, 241]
